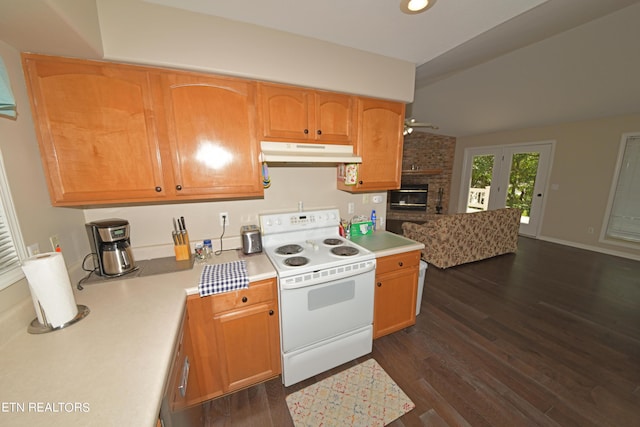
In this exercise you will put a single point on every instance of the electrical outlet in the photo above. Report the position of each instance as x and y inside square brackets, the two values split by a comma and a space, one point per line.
[55, 243]
[33, 249]
[351, 207]
[224, 219]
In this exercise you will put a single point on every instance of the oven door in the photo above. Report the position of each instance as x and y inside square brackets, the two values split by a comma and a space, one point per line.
[323, 311]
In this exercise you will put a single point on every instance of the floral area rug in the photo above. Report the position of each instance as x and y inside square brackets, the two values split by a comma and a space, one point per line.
[364, 395]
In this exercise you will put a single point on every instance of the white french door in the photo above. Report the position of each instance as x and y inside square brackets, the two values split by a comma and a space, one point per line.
[507, 176]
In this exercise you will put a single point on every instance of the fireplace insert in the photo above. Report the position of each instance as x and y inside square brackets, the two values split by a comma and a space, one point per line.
[412, 197]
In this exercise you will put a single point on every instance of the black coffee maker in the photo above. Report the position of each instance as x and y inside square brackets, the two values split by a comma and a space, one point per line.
[110, 247]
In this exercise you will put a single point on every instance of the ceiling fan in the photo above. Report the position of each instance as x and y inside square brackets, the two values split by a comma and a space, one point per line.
[409, 124]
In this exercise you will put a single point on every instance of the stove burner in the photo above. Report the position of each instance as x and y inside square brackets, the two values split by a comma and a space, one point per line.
[344, 251]
[296, 261]
[332, 242]
[289, 250]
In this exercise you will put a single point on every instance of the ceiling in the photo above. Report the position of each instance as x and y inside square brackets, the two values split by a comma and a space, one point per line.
[450, 38]
[376, 26]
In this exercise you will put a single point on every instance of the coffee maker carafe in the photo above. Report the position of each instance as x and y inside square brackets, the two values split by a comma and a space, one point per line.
[110, 245]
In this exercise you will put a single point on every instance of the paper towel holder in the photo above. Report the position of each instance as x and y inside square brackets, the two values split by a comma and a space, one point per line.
[38, 328]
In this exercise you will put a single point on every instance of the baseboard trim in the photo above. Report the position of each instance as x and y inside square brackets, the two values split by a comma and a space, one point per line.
[590, 248]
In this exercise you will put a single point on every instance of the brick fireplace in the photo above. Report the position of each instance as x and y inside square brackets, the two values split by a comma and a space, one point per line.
[427, 159]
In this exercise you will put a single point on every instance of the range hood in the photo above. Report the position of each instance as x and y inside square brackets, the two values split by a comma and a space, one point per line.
[295, 152]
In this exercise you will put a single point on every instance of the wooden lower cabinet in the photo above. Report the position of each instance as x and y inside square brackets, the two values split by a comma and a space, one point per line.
[236, 338]
[395, 293]
[184, 390]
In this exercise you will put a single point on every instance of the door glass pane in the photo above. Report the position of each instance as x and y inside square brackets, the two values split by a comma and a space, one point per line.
[522, 179]
[481, 172]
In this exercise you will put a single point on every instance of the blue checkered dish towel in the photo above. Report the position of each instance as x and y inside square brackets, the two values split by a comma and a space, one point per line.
[225, 277]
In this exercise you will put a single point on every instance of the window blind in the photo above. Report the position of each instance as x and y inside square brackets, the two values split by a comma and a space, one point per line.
[11, 245]
[624, 217]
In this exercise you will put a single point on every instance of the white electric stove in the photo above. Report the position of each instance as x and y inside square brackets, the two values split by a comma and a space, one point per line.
[326, 286]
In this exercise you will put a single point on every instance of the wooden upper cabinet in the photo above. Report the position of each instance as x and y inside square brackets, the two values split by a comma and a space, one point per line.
[96, 130]
[379, 143]
[335, 116]
[117, 134]
[210, 128]
[292, 114]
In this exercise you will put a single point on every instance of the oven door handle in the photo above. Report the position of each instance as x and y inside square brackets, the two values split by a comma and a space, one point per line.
[317, 278]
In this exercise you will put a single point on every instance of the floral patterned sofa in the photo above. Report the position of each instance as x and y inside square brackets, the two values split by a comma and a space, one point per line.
[459, 238]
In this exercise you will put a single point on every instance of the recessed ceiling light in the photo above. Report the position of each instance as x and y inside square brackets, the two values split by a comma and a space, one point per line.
[415, 6]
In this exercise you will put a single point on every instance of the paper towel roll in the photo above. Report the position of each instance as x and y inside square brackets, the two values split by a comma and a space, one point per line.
[50, 287]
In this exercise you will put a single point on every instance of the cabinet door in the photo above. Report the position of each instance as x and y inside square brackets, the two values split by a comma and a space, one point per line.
[380, 142]
[395, 301]
[248, 344]
[96, 131]
[334, 118]
[184, 386]
[212, 139]
[205, 356]
[285, 113]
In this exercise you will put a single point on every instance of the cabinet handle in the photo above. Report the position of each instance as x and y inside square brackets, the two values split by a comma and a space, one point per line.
[379, 284]
[319, 132]
[270, 312]
[360, 182]
[182, 388]
[244, 299]
[306, 131]
[400, 263]
[178, 187]
[158, 189]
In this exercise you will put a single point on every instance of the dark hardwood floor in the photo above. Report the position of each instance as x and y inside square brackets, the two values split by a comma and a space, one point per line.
[547, 336]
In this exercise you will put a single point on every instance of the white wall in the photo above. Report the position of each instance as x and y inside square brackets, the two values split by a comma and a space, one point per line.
[583, 170]
[139, 32]
[315, 187]
[38, 220]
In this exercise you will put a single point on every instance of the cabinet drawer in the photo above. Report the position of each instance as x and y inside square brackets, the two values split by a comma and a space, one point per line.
[397, 262]
[257, 292]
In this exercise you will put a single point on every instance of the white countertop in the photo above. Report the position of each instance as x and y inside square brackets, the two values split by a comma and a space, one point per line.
[385, 243]
[109, 369]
